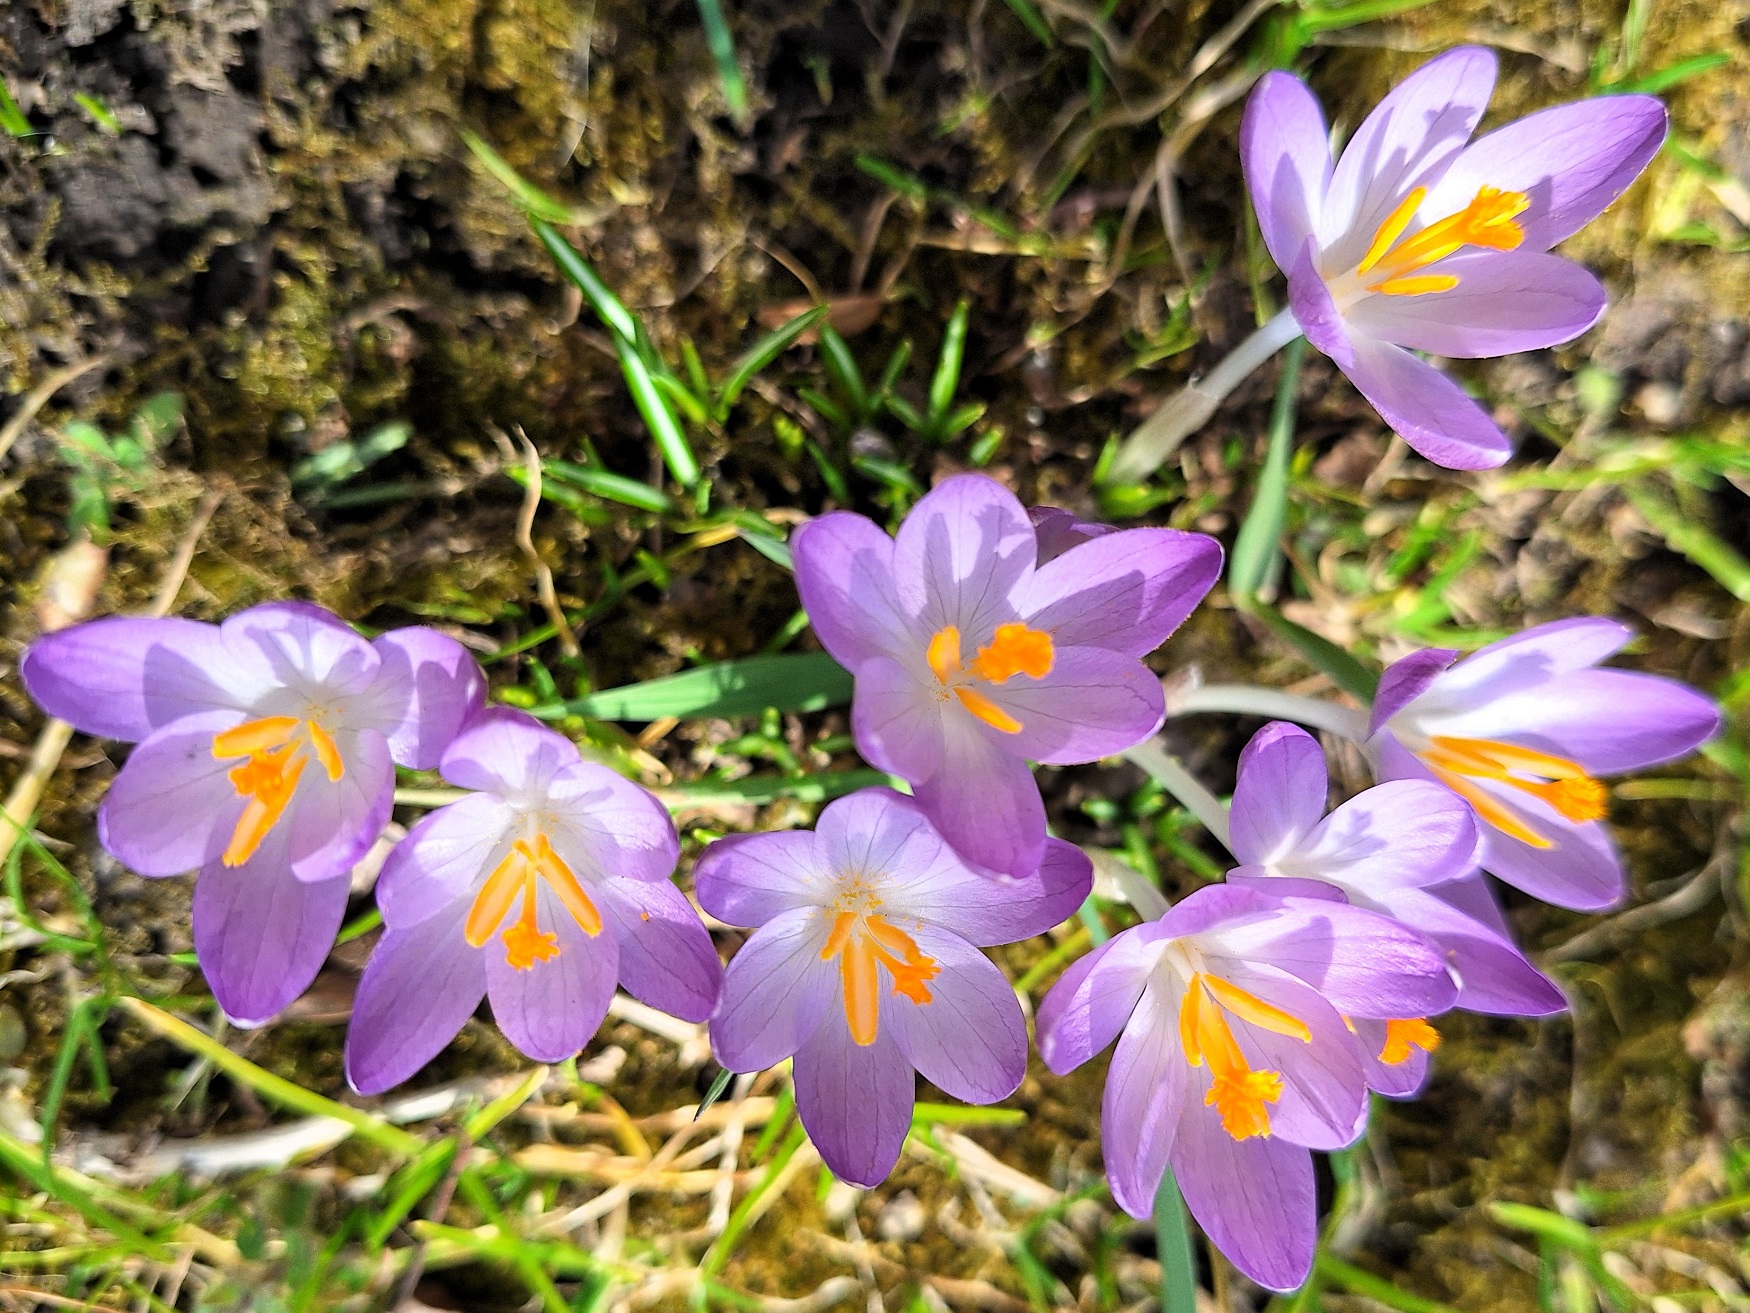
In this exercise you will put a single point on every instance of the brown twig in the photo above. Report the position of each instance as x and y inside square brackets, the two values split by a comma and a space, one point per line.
[525, 524]
[38, 396]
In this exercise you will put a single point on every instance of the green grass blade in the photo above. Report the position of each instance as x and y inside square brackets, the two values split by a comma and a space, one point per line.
[1345, 671]
[1033, 21]
[722, 45]
[1259, 541]
[804, 681]
[1173, 1246]
[1693, 540]
[763, 352]
[529, 198]
[835, 354]
[947, 375]
[11, 117]
[677, 452]
[615, 487]
[1378, 1289]
[572, 264]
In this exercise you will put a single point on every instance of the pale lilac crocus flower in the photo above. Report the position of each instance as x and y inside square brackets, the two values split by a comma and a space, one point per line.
[866, 967]
[1521, 729]
[266, 762]
[541, 890]
[975, 651]
[1234, 1058]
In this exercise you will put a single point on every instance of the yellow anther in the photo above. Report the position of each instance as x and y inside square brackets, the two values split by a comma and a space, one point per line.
[1563, 784]
[865, 943]
[1487, 222]
[1404, 1036]
[944, 654]
[1015, 650]
[274, 747]
[523, 868]
[987, 711]
[1239, 1093]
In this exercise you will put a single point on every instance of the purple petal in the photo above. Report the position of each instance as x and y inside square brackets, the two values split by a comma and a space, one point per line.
[776, 992]
[1315, 311]
[985, 803]
[1125, 591]
[748, 879]
[419, 988]
[1280, 793]
[1426, 408]
[855, 1101]
[988, 910]
[881, 832]
[1094, 703]
[1572, 161]
[1403, 832]
[302, 644]
[666, 956]
[551, 1009]
[1145, 1104]
[172, 808]
[1221, 906]
[1058, 531]
[446, 854]
[1505, 301]
[970, 1039]
[897, 718]
[1494, 976]
[1255, 1198]
[960, 552]
[1410, 139]
[1093, 1001]
[333, 823]
[1405, 680]
[1395, 1080]
[1526, 659]
[122, 678]
[605, 826]
[439, 686]
[1285, 151]
[261, 934]
[844, 573]
[505, 752]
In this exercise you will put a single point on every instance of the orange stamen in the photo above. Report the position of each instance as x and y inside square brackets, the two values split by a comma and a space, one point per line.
[1488, 222]
[1392, 229]
[563, 882]
[1249, 1007]
[944, 653]
[255, 736]
[987, 711]
[863, 944]
[275, 759]
[520, 872]
[492, 903]
[1417, 284]
[1404, 1036]
[1238, 1093]
[326, 751]
[1015, 650]
[860, 978]
[1563, 784]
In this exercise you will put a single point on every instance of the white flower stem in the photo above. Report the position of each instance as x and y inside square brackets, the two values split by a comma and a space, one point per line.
[1177, 418]
[1165, 770]
[1251, 700]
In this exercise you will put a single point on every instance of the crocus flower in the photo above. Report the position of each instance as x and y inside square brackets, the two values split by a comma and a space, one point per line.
[1419, 238]
[541, 889]
[1406, 849]
[1235, 1058]
[973, 655]
[865, 967]
[1521, 730]
[266, 761]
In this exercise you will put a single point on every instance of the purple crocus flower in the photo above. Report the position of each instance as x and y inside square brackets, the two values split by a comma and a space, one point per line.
[1419, 238]
[1235, 1058]
[975, 651]
[1406, 849]
[266, 761]
[1520, 730]
[542, 889]
[865, 967]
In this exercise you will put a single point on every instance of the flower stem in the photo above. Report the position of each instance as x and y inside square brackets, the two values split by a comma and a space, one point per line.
[1251, 700]
[1173, 1247]
[1179, 416]
[1165, 769]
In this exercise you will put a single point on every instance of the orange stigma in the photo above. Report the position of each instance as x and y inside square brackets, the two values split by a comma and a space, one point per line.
[1562, 784]
[275, 752]
[1239, 1093]
[1405, 1036]
[1013, 650]
[527, 864]
[864, 943]
[1488, 222]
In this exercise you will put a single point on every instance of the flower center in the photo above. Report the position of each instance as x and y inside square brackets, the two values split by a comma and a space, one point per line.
[1239, 1093]
[1013, 650]
[1563, 784]
[864, 943]
[1404, 1036]
[277, 749]
[1488, 221]
[528, 862]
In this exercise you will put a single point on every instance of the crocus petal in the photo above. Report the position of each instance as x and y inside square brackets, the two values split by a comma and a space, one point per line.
[776, 991]
[1285, 152]
[1494, 976]
[897, 718]
[970, 1039]
[505, 752]
[854, 1100]
[1144, 1105]
[1057, 531]
[961, 550]
[1403, 832]
[844, 574]
[748, 879]
[1124, 591]
[984, 801]
[262, 934]
[1280, 792]
[1395, 1080]
[123, 678]
[666, 956]
[419, 988]
[333, 823]
[987, 910]
[1315, 310]
[1410, 138]
[1405, 680]
[881, 831]
[1256, 1198]
[1572, 161]
[1505, 301]
[172, 807]
[603, 823]
[1094, 703]
[1092, 1001]
[444, 856]
[1526, 659]
[1426, 408]
[551, 1009]
[302, 645]
[1229, 907]
[440, 686]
